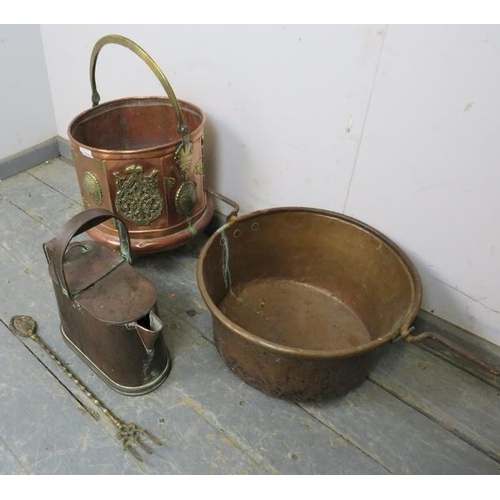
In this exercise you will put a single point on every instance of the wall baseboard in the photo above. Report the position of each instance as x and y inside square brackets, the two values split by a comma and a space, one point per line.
[29, 158]
[64, 148]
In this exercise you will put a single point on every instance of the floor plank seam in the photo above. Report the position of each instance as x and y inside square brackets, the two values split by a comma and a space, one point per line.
[53, 188]
[208, 339]
[7, 447]
[176, 315]
[212, 420]
[345, 438]
[92, 413]
[27, 269]
[38, 221]
[457, 364]
[65, 160]
[454, 431]
[242, 446]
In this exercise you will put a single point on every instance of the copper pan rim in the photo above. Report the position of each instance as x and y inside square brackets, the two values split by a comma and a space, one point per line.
[401, 329]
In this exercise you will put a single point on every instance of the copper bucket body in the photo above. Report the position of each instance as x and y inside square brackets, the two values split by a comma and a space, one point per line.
[141, 158]
[302, 299]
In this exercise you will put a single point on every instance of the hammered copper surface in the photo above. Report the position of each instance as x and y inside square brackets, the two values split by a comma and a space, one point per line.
[301, 299]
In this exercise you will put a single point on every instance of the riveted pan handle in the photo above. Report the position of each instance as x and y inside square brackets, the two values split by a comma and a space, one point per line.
[236, 208]
[77, 225]
[415, 339]
[182, 129]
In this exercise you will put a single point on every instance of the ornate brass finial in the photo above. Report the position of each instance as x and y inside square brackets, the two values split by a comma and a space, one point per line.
[182, 157]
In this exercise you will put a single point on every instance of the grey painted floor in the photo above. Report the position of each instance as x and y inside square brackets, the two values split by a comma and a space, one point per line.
[423, 410]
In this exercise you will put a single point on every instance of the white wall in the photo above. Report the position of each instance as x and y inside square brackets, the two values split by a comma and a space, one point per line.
[393, 125]
[428, 172]
[26, 112]
[277, 105]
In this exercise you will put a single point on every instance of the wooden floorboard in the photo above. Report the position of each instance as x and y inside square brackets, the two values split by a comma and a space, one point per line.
[59, 176]
[44, 427]
[418, 414]
[483, 350]
[404, 440]
[39, 200]
[177, 289]
[9, 463]
[458, 401]
[22, 237]
[275, 431]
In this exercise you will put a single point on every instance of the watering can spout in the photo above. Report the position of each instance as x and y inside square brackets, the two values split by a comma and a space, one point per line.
[148, 328]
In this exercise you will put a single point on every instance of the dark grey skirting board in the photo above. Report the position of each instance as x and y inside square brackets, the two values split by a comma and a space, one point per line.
[29, 158]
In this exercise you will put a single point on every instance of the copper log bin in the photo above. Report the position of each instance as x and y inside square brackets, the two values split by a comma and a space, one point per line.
[301, 299]
[141, 158]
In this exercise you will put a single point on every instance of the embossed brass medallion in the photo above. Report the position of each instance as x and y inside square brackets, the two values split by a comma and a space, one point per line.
[138, 198]
[185, 199]
[92, 187]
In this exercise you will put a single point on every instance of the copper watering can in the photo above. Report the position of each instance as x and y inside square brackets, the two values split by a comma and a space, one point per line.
[107, 309]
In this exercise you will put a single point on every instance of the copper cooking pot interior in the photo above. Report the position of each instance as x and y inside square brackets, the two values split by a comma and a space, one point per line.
[302, 298]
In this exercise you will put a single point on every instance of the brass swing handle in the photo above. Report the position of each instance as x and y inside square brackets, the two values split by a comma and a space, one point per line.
[182, 129]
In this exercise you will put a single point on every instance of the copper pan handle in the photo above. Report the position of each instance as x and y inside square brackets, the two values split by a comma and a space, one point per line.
[236, 208]
[182, 129]
[414, 339]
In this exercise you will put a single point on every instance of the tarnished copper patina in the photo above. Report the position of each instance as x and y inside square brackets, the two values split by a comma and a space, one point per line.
[107, 309]
[142, 159]
[302, 298]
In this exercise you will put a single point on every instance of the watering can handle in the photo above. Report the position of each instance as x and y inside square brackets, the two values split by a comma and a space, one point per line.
[79, 224]
[182, 129]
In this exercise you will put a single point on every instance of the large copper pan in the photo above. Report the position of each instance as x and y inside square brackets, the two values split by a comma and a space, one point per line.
[302, 299]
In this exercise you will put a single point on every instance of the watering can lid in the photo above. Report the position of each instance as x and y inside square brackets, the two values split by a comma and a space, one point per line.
[120, 297]
[105, 285]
